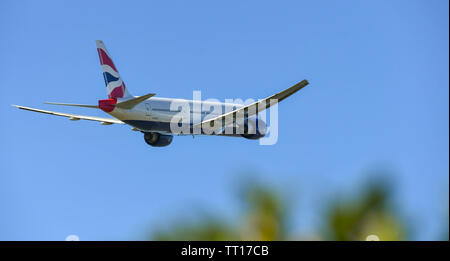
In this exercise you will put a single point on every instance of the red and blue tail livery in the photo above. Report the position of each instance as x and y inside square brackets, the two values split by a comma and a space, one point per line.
[114, 84]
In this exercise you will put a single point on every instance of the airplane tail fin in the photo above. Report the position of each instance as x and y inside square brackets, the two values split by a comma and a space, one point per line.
[115, 86]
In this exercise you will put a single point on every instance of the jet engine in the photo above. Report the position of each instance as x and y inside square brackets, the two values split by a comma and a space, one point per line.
[253, 129]
[157, 140]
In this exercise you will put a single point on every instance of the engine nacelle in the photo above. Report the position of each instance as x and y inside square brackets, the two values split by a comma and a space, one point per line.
[157, 140]
[254, 129]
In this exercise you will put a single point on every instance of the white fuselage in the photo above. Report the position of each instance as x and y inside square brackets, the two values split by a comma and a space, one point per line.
[156, 113]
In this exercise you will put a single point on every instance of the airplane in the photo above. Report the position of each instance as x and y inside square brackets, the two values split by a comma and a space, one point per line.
[154, 116]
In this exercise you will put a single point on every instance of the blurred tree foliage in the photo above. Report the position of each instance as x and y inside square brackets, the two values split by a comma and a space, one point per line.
[368, 214]
[266, 211]
[206, 229]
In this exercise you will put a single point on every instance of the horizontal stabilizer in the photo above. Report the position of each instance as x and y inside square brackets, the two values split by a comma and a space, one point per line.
[76, 105]
[129, 104]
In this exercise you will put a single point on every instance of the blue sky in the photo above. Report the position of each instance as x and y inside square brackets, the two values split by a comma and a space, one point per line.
[378, 98]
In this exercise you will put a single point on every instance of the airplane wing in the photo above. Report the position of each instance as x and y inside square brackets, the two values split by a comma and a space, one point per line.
[74, 117]
[249, 110]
